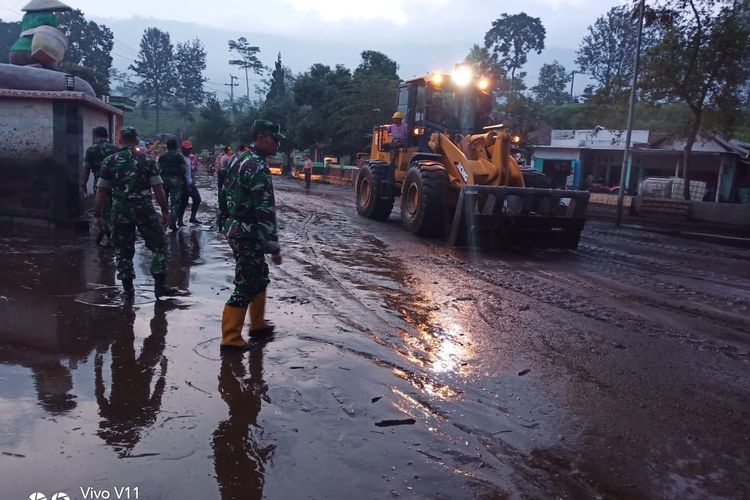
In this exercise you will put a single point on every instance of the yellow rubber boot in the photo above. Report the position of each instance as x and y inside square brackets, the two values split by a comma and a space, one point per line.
[259, 327]
[232, 321]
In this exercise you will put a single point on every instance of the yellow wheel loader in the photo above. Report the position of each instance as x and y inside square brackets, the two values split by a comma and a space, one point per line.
[457, 175]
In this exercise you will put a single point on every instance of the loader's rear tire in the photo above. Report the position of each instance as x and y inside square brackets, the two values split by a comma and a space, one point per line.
[374, 191]
[423, 199]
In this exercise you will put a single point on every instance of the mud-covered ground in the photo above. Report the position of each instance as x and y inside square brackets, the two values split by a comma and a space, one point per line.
[620, 370]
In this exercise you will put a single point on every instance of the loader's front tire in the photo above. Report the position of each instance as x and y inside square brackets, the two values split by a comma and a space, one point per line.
[374, 191]
[423, 199]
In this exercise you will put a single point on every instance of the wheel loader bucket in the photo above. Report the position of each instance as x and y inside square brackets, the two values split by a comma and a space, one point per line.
[506, 217]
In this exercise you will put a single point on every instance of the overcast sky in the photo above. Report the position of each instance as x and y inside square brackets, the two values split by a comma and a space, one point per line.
[565, 20]
[437, 29]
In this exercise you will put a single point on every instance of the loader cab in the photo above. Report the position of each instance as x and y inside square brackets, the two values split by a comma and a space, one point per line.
[436, 103]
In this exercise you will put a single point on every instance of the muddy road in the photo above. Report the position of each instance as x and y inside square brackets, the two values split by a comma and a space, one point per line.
[620, 370]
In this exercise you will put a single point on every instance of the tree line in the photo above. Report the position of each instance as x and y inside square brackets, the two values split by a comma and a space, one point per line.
[696, 69]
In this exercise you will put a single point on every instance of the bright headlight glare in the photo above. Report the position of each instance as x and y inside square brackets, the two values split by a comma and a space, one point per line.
[484, 84]
[436, 78]
[462, 76]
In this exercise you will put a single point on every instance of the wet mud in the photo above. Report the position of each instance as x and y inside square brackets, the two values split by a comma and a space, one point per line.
[400, 368]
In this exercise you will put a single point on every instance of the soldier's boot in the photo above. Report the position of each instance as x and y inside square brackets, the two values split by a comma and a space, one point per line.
[162, 290]
[232, 321]
[259, 327]
[193, 220]
[127, 288]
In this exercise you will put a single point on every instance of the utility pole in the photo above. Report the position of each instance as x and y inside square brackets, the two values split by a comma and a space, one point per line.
[631, 112]
[572, 81]
[231, 86]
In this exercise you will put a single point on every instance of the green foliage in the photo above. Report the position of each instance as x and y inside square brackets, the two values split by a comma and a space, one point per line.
[279, 104]
[607, 52]
[213, 126]
[190, 63]
[697, 60]
[122, 84]
[512, 37]
[248, 59]
[9, 33]
[519, 113]
[553, 85]
[156, 69]
[368, 100]
[89, 46]
[486, 63]
[317, 93]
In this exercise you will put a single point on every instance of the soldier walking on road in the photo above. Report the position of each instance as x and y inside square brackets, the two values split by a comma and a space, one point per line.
[92, 163]
[248, 213]
[192, 189]
[172, 169]
[129, 177]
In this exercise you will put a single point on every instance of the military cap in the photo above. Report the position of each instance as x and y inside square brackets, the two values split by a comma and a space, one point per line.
[128, 133]
[268, 127]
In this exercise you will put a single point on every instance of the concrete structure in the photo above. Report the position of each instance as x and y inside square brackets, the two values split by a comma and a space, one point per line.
[585, 158]
[578, 158]
[43, 137]
[719, 163]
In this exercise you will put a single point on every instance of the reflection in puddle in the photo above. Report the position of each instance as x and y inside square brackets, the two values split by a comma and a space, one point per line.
[436, 344]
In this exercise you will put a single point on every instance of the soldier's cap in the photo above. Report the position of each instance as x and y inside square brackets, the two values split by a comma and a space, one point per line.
[128, 133]
[269, 128]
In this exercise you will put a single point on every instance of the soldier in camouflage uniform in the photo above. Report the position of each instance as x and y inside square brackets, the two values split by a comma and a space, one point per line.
[172, 168]
[248, 215]
[92, 162]
[129, 177]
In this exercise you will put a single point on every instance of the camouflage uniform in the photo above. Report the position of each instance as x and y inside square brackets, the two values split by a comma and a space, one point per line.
[131, 176]
[171, 166]
[249, 221]
[93, 159]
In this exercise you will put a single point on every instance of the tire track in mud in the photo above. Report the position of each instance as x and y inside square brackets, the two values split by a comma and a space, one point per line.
[498, 458]
[532, 285]
[377, 327]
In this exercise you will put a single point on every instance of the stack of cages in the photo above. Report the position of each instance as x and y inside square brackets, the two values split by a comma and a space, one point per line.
[697, 189]
[656, 187]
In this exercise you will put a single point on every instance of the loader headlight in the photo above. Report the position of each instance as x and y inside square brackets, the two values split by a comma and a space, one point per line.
[484, 84]
[436, 79]
[462, 76]
[516, 139]
[418, 130]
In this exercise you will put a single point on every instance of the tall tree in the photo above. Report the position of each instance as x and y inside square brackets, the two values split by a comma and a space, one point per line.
[606, 52]
[512, 37]
[487, 64]
[279, 103]
[369, 99]
[551, 88]
[317, 93]
[214, 126]
[156, 69]
[248, 59]
[89, 44]
[190, 63]
[697, 60]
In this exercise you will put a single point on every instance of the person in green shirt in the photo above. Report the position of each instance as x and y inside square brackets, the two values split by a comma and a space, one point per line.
[247, 210]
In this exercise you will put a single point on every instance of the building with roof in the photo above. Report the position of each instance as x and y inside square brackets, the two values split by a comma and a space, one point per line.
[592, 159]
